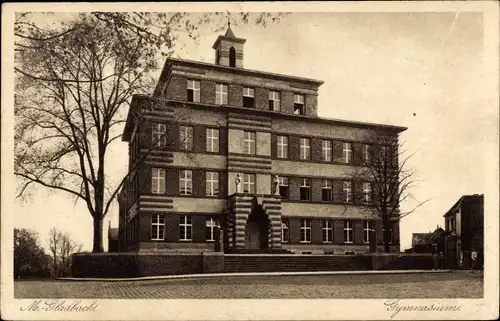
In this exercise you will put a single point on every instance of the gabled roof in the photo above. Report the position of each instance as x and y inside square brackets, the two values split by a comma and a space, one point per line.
[465, 198]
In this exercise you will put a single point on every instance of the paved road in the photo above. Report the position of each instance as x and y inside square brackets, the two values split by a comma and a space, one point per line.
[439, 285]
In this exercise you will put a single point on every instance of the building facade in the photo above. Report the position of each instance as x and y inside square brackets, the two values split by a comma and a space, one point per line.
[226, 158]
[464, 226]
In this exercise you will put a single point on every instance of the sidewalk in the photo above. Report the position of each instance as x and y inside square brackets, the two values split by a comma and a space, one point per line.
[215, 275]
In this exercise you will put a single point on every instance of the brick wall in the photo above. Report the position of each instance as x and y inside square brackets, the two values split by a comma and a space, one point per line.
[262, 98]
[311, 105]
[207, 91]
[316, 191]
[287, 102]
[177, 88]
[235, 95]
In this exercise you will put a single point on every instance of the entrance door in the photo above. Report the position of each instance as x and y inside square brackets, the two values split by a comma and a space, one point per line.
[253, 236]
[256, 230]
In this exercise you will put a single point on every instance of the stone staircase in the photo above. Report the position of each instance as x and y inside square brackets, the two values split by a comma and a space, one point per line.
[291, 263]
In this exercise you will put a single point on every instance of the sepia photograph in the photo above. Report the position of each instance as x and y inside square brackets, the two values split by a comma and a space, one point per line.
[244, 153]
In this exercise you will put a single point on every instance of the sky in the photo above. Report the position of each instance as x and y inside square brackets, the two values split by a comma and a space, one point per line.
[424, 71]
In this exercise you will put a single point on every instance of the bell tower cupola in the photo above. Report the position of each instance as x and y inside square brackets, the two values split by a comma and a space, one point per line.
[229, 49]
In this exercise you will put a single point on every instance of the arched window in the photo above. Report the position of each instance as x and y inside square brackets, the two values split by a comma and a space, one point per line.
[232, 57]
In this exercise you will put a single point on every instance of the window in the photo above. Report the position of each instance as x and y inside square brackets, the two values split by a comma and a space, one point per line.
[282, 148]
[186, 182]
[283, 186]
[249, 142]
[368, 227]
[158, 181]
[366, 154]
[305, 148]
[305, 189]
[326, 191]
[347, 152]
[284, 232]
[159, 135]
[186, 137]
[212, 140]
[367, 192]
[249, 183]
[193, 88]
[274, 100]
[348, 232]
[248, 97]
[390, 235]
[327, 231]
[221, 94]
[298, 104]
[326, 150]
[185, 228]
[212, 184]
[346, 187]
[232, 57]
[211, 226]
[158, 227]
[305, 231]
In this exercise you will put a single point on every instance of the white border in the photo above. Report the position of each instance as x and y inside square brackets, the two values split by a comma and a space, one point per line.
[486, 308]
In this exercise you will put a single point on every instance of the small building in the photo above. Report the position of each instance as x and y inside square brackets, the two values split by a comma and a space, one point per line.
[221, 150]
[464, 225]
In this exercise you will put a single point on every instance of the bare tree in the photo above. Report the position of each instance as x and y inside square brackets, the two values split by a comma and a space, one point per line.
[61, 247]
[55, 240]
[72, 82]
[384, 165]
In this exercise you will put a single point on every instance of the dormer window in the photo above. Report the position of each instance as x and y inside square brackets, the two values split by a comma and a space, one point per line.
[248, 97]
[298, 104]
[274, 100]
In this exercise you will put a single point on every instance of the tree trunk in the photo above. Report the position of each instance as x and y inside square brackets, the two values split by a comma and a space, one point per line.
[97, 247]
[387, 235]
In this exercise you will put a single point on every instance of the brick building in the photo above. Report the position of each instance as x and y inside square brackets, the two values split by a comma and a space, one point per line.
[464, 225]
[209, 126]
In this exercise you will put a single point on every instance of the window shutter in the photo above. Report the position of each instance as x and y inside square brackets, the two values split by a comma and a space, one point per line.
[199, 178]
[207, 91]
[358, 194]
[294, 230]
[338, 232]
[274, 146]
[316, 231]
[293, 188]
[358, 232]
[223, 140]
[199, 139]
[338, 193]
[357, 154]
[172, 228]
[294, 147]
[316, 150]
[316, 191]
[172, 181]
[144, 180]
[173, 136]
[337, 151]
[222, 184]
[198, 228]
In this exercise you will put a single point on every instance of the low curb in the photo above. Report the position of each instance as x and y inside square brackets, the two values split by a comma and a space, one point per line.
[215, 275]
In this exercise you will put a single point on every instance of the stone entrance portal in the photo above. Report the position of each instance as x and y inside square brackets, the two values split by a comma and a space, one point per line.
[257, 230]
